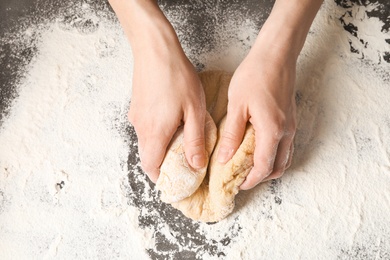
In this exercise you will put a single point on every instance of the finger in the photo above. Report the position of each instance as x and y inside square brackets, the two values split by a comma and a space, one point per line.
[194, 140]
[232, 135]
[290, 155]
[152, 149]
[282, 158]
[264, 158]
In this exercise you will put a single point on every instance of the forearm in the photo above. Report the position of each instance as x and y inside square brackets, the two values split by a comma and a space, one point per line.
[145, 26]
[287, 26]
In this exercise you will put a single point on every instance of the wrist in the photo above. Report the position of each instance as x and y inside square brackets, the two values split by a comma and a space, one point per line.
[155, 38]
[285, 30]
[145, 26]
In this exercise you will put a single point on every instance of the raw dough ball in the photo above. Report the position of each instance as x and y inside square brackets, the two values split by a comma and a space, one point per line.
[200, 196]
[214, 199]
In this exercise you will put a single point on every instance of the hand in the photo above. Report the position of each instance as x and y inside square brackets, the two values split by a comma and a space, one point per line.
[166, 89]
[262, 92]
[166, 93]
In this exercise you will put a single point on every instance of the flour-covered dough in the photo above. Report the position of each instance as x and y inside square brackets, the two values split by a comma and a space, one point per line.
[207, 194]
[178, 180]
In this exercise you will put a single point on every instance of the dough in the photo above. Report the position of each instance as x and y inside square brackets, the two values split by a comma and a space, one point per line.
[207, 194]
[178, 180]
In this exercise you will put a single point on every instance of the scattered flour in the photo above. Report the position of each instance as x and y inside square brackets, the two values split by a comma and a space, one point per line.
[71, 185]
[62, 171]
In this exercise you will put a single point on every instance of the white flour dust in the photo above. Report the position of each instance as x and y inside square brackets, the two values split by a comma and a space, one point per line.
[70, 180]
[62, 171]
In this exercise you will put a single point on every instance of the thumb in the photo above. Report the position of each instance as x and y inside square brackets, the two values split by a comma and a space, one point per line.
[194, 140]
[231, 138]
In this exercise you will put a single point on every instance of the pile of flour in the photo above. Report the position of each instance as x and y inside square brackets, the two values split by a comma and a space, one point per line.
[70, 181]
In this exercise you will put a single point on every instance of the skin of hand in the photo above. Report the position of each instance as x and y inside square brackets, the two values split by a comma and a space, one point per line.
[262, 91]
[166, 89]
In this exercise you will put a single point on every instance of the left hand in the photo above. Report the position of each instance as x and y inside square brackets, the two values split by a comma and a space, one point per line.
[262, 92]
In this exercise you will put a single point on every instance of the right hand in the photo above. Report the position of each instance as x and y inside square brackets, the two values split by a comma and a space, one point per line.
[167, 93]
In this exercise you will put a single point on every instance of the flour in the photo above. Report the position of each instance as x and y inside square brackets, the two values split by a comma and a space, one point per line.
[61, 150]
[70, 180]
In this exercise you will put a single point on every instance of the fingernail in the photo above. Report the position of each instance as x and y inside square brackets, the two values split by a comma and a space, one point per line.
[224, 154]
[243, 186]
[198, 161]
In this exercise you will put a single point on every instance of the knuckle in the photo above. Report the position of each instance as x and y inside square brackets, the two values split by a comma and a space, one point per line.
[195, 143]
[291, 129]
[290, 134]
[196, 108]
[280, 119]
[150, 129]
[265, 162]
[277, 129]
[230, 137]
